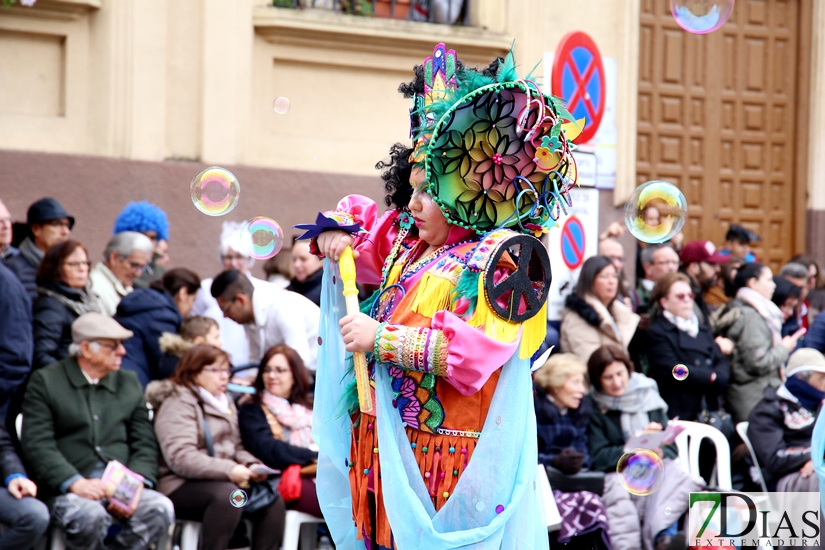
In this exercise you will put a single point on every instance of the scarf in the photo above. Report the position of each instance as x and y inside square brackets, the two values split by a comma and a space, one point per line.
[295, 418]
[769, 311]
[690, 326]
[87, 304]
[640, 397]
[808, 396]
[221, 403]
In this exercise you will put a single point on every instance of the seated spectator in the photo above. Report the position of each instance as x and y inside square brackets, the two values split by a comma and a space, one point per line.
[62, 288]
[193, 332]
[203, 459]
[797, 275]
[277, 425]
[278, 269]
[270, 316]
[126, 257]
[562, 415]
[593, 316]
[782, 424]
[657, 260]
[738, 242]
[721, 293]
[232, 256]
[144, 217]
[627, 403]
[786, 297]
[754, 324]
[614, 251]
[700, 262]
[816, 294]
[16, 343]
[6, 249]
[308, 272]
[48, 224]
[676, 337]
[80, 414]
[25, 517]
[149, 312]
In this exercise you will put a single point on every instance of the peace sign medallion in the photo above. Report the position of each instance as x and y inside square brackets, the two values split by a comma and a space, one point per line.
[524, 291]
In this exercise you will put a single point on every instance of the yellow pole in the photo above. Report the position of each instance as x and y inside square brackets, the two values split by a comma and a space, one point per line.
[362, 378]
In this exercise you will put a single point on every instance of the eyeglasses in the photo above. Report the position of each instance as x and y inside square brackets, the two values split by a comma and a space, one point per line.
[217, 370]
[667, 262]
[59, 223]
[111, 346]
[619, 259]
[78, 265]
[276, 370]
[228, 305]
[681, 296]
[136, 267]
[5, 221]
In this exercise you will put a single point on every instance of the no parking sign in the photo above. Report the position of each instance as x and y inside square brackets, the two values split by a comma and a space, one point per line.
[578, 78]
[572, 243]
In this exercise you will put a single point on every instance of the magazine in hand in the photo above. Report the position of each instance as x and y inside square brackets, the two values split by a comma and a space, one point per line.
[124, 486]
[652, 440]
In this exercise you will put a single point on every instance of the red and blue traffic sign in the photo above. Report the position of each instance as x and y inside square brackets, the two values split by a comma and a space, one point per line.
[572, 243]
[578, 78]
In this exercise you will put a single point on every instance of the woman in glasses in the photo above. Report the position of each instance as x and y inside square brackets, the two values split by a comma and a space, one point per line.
[62, 296]
[677, 338]
[276, 426]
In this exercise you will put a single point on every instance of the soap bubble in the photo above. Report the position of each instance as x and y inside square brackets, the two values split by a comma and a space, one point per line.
[680, 372]
[701, 16]
[261, 238]
[641, 472]
[655, 212]
[667, 511]
[281, 105]
[238, 498]
[215, 191]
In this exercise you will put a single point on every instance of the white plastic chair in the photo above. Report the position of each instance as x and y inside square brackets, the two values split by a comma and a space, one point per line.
[742, 430]
[688, 443]
[551, 510]
[292, 529]
[190, 534]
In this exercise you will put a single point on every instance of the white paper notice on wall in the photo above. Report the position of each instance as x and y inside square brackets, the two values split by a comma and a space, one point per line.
[570, 244]
[603, 145]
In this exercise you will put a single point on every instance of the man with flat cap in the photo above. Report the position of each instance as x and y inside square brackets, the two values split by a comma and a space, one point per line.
[78, 415]
[49, 224]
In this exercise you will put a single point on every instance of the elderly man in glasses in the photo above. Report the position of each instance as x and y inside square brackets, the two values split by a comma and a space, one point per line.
[125, 258]
[80, 414]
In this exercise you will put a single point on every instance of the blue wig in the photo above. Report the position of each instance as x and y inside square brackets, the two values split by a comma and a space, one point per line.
[142, 216]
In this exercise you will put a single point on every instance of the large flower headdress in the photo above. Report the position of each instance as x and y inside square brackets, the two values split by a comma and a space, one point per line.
[496, 150]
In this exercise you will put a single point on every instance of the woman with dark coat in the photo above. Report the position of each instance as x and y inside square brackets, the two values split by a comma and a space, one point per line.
[276, 425]
[62, 296]
[675, 338]
[149, 312]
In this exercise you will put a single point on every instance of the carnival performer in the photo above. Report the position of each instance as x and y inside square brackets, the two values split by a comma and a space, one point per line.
[448, 457]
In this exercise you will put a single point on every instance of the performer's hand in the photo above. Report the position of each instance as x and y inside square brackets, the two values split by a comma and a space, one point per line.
[333, 243]
[359, 331]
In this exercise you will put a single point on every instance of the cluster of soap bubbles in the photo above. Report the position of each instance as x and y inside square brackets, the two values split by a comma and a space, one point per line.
[680, 372]
[641, 472]
[238, 498]
[701, 16]
[655, 212]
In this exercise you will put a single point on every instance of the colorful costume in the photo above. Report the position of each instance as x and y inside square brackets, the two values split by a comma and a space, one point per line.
[449, 460]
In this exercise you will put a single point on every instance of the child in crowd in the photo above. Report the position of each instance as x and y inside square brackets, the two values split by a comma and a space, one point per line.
[193, 331]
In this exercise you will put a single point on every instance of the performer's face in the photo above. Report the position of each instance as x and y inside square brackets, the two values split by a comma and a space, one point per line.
[432, 225]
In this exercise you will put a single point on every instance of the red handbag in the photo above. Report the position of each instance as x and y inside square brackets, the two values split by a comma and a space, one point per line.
[290, 484]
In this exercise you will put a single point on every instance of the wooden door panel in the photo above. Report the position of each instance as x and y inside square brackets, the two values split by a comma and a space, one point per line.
[717, 118]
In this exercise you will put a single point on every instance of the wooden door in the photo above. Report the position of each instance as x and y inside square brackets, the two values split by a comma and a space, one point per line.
[718, 117]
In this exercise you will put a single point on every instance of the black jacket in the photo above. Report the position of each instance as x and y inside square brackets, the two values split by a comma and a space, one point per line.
[25, 272]
[53, 324]
[257, 439]
[10, 463]
[780, 431]
[667, 347]
[606, 442]
[148, 313]
[557, 431]
[311, 288]
[16, 343]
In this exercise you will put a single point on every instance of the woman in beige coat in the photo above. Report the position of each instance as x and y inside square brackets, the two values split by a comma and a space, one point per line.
[199, 475]
[592, 315]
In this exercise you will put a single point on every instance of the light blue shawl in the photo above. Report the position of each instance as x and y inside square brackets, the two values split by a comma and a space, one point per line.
[502, 470]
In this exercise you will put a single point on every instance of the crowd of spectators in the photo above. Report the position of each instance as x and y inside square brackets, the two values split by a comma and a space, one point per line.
[131, 360]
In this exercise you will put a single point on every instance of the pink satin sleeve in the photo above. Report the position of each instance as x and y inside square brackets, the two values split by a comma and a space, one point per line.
[471, 356]
[382, 232]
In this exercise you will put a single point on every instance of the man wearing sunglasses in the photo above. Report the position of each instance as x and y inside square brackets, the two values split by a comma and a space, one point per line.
[126, 257]
[79, 414]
